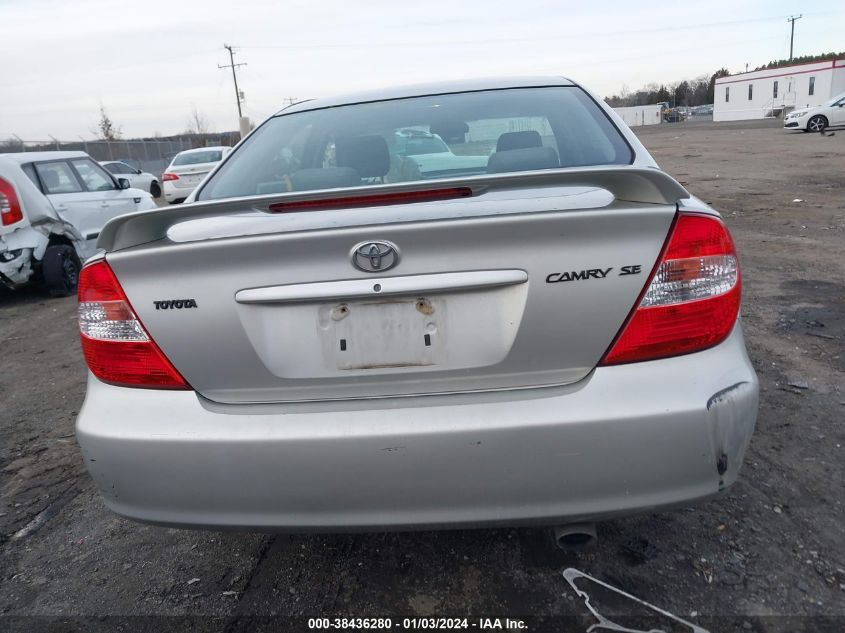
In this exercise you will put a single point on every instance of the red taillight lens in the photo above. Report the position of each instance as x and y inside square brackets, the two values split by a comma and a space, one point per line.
[692, 299]
[371, 200]
[168, 176]
[10, 206]
[116, 346]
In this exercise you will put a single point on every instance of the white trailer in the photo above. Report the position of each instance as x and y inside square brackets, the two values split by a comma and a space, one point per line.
[635, 116]
[769, 93]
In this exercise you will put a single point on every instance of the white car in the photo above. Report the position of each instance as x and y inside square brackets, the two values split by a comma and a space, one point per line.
[52, 208]
[423, 155]
[817, 118]
[137, 178]
[188, 169]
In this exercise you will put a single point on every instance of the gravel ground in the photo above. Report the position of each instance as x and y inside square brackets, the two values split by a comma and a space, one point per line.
[771, 546]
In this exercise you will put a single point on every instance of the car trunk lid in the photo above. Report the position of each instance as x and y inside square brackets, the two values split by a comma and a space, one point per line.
[514, 287]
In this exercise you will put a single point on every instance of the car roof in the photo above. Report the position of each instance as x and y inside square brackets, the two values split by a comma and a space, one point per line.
[28, 157]
[426, 89]
[203, 149]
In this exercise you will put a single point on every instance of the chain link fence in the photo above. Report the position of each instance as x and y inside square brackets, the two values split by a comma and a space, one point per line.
[152, 156]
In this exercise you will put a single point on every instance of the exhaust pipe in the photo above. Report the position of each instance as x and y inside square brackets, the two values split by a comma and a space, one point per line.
[575, 537]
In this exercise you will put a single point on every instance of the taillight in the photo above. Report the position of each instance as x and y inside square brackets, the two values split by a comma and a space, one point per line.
[692, 299]
[117, 348]
[10, 206]
[372, 199]
[168, 176]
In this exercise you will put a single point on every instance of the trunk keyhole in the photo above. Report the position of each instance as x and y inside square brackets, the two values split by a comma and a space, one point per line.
[343, 345]
[427, 340]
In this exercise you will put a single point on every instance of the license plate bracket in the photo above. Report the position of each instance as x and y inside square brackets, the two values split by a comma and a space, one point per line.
[390, 333]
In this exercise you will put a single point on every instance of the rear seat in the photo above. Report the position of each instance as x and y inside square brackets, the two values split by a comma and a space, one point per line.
[521, 151]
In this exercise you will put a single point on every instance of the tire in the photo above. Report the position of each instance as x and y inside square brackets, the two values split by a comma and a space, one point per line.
[155, 189]
[60, 267]
[817, 124]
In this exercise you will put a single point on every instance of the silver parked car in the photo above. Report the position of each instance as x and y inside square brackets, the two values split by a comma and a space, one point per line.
[316, 342]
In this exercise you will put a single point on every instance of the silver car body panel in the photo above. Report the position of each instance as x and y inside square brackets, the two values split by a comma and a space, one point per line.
[625, 439]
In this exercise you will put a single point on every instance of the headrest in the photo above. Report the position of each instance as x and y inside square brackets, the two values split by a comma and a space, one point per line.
[368, 155]
[50, 178]
[522, 160]
[325, 178]
[518, 140]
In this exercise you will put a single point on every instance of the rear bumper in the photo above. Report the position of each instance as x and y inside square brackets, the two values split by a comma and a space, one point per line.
[173, 192]
[625, 439]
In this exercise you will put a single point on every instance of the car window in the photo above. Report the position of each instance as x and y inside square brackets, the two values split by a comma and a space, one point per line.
[116, 168]
[422, 138]
[29, 170]
[94, 177]
[58, 177]
[195, 158]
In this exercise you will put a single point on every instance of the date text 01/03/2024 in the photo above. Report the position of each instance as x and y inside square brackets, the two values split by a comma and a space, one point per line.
[417, 623]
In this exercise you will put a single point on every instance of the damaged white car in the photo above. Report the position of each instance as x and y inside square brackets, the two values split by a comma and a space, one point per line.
[52, 207]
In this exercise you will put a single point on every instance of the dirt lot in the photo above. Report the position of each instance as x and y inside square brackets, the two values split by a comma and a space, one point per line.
[773, 545]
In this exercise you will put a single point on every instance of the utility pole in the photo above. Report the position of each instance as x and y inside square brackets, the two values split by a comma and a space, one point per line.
[233, 66]
[792, 19]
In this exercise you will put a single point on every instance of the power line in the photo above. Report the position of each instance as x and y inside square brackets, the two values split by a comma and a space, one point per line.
[234, 66]
[514, 40]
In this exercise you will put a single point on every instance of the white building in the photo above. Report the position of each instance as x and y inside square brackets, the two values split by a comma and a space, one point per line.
[640, 115]
[766, 93]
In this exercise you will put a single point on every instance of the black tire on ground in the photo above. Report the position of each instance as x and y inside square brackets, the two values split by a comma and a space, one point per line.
[817, 124]
[60, 268]
[155, 189]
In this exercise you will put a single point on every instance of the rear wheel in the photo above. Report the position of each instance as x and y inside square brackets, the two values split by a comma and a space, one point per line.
[60, 268]
[817, 124]
[155, 189]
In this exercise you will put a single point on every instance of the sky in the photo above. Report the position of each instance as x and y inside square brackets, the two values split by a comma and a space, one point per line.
[151, 63]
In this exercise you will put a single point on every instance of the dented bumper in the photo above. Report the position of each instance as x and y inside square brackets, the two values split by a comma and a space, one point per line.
[625, 439]
[15, 266]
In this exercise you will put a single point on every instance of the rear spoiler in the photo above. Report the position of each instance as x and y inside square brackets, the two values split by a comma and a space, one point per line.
[625, 182]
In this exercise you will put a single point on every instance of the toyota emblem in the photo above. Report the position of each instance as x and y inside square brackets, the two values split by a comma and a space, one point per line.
[374, 257]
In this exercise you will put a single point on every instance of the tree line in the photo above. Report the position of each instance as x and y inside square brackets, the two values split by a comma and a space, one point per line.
[689, 92]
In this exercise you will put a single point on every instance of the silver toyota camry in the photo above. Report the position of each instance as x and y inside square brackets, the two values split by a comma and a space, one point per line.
[471, 303]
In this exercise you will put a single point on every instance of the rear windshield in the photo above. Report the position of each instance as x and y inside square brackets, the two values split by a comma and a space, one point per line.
[422, 138]
[195, 158]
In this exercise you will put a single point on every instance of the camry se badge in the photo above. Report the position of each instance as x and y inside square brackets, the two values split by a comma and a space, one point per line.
[373, 257]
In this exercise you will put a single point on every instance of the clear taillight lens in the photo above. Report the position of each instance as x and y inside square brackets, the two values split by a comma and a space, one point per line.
[110, 321]
[681, 280]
